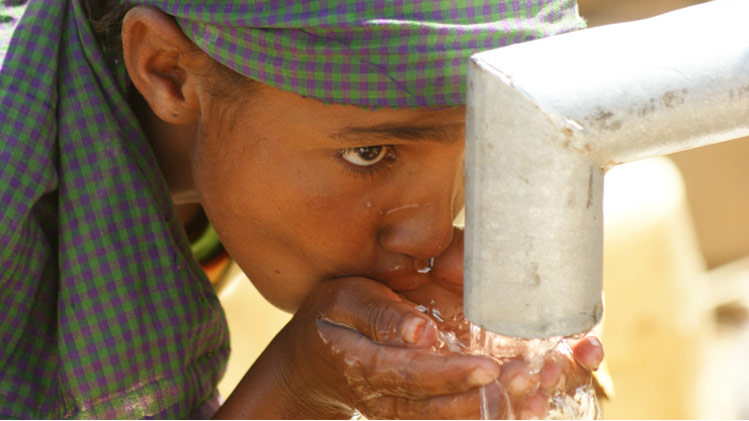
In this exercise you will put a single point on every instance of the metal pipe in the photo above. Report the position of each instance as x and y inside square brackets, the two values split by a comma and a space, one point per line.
[547, 118]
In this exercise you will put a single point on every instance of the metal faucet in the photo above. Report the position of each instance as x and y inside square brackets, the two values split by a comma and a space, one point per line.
[547, 118]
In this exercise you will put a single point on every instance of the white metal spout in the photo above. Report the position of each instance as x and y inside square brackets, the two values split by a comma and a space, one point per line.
[547, 118]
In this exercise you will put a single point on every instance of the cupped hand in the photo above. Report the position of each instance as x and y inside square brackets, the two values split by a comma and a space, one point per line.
[563, 371]
[528, 381]
[355, 344]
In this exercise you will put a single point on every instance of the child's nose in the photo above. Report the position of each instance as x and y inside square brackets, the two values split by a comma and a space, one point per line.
[421, 230]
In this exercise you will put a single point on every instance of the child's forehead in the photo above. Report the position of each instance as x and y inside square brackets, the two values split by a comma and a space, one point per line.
[350, 119]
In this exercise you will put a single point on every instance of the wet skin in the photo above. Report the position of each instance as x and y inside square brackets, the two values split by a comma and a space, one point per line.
[328, 209]
[329, 191]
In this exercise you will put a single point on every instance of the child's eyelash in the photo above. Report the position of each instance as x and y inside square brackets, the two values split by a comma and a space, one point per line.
[366, 172]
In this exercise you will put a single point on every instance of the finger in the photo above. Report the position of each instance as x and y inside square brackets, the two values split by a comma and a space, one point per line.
[488, 402]
[552, 376]
[412, 373]
[435, 296]
[375, 311]
[588, 352]
[517, 378]
[535, 406]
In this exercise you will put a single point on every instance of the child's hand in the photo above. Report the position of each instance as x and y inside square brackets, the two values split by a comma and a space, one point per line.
[362, 346]
[560, 371]
[356, 344]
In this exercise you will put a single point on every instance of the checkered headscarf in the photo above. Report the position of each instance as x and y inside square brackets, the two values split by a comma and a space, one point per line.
[372, 53]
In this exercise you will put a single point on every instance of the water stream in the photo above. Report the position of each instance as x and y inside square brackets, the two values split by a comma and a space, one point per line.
[572, 397]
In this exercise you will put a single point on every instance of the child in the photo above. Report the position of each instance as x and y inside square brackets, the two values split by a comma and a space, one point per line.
[324, 142]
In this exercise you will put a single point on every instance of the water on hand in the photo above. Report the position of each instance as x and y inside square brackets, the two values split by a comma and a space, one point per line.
[575, 399]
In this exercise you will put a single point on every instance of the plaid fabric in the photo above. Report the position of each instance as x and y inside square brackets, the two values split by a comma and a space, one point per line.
[105, 313]
[371, 53]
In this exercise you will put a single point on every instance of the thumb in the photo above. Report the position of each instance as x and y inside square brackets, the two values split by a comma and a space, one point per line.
[375, 311]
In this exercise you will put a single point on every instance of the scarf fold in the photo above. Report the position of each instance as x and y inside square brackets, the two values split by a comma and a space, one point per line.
[105, 312]
[370, 53]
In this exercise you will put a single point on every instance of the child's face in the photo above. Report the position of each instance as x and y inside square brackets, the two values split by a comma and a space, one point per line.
[301, 191]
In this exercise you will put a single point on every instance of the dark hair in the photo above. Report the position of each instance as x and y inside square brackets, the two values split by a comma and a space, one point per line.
[106, 16]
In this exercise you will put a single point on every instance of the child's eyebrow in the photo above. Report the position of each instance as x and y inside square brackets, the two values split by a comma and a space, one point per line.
[447, 133]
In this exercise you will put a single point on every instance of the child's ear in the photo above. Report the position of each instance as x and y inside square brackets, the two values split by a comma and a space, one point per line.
[159, 59]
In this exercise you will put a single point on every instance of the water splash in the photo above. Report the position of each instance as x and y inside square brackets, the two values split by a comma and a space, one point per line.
[576, 400]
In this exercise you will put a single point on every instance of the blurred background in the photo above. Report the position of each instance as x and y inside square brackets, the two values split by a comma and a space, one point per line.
[676, 273]
[717, 176]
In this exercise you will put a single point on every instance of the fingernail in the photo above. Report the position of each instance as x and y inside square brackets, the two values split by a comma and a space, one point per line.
[599, 357]
[519, 384]
[412, 329]
[480, 377]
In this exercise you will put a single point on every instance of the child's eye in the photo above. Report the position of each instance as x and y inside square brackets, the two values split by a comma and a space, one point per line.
[364, 156]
